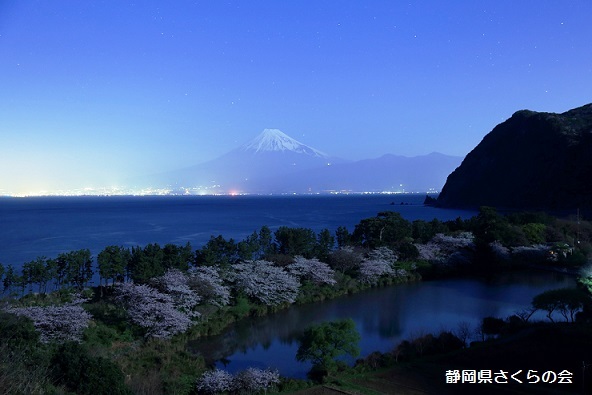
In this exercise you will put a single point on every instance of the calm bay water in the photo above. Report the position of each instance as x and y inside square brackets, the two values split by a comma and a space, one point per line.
[384, 317]
[47, 226]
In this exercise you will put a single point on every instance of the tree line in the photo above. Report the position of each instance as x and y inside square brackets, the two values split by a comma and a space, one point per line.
[76, 269]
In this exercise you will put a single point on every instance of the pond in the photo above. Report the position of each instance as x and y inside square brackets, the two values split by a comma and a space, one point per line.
[383, 316]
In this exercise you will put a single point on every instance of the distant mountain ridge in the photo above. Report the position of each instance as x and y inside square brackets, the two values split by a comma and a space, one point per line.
[388, 173]
[533, 160]
[273, 162]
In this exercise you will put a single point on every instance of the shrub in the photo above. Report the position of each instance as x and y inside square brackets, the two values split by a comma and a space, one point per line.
[74, 368]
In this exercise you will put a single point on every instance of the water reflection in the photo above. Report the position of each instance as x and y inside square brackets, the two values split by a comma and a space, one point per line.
[383, 317]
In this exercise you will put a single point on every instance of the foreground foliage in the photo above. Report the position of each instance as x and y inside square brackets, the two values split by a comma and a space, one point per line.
[321, 344]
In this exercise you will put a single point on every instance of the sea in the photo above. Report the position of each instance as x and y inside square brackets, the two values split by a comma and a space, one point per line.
[32, 227]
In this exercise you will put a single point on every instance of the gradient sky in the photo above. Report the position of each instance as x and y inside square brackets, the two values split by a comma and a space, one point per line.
[92, 92]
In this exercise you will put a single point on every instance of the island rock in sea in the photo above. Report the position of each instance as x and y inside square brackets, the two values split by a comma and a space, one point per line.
[534, 160]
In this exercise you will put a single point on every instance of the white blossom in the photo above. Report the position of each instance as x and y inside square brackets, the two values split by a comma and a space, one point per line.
[384, 254]
[441, 247]
[152, 310]
[312, 269]
[215, 381]
[255, 380]
[251, 380]
[451, 244]
[372, 269]
[176, 284]
[57, 323]
[263, 281]
[428, 252]
[499, 250]
[208, 284]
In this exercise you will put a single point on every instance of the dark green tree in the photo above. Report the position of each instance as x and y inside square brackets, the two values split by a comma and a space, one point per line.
[10, 279]
[386, 229]
[459, 225]
[36, 273]
[146, 263]
[534, 233]
[217, 251]
[266, 244]
[26, 275]
[112, 262]
[51, 268]
[295, 241]
[324, 246]
[60, 269]
[423, 231]
[407, 251]
[78, 270]
[177, 257]
[342, 236]
[490, 226]
[250, 249]
[322, 344]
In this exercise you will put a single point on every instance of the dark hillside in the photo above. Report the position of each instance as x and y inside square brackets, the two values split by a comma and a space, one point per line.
[531, 161]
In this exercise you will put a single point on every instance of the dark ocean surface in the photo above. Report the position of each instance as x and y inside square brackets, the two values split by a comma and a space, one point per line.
[47, 226]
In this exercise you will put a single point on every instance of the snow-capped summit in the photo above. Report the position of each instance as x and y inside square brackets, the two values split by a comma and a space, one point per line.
[276, 140]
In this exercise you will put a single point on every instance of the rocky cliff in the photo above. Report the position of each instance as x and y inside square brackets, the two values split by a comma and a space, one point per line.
[534, 160]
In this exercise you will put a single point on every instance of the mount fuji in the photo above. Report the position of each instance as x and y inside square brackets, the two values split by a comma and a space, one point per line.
[251, 167]
[274, 162]
[275, 140]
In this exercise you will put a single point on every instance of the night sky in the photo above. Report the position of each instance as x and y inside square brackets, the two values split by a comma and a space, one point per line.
[93, 92]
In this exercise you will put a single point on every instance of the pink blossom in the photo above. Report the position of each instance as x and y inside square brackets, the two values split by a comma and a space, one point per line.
[313, 270]
[263, 281]
[57, 323]
[152, 310]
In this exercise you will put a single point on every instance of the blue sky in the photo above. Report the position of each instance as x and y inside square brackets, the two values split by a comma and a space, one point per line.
[92, 92]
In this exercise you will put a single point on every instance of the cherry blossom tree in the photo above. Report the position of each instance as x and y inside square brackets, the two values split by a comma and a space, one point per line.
[152, 310]
[372, 269]
[256, 380]
[251, 380]
[384, 254]
[313, 270]
[209, 285]
[443, 246]
[499, 251]
[57, 323]
[176, 284]
[428, 252]
[215, 381]
[380, 262]
[262, 280]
